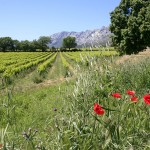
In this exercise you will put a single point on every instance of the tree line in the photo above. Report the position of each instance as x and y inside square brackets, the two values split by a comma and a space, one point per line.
[8, 44]
[130, 25]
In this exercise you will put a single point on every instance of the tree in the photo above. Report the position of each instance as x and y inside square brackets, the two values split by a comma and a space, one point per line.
[25, 46]
[34, 46]
[130, 24]
[28, 46]
[43, 42]
[69, 42]
[16, 45]
[53, 48]
[6, 43]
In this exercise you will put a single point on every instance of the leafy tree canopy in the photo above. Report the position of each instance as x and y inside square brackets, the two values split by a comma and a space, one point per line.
[130, 24]
[69, 42]
[43, 42]
[16, 45]
[6, 43]
[25, 45]
[28, 46]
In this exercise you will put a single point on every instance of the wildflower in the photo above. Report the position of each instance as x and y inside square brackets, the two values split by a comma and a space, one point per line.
[130, 92]
[116, 95]
[134, 99]
[147, 99]
[98, 109]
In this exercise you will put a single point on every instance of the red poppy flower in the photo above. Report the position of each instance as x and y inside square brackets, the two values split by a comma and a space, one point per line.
[134, 99]
[130, 92]
[116, 95]
[147, 99]
[98, 109]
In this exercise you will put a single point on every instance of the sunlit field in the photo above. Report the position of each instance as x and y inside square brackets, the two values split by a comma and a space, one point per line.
[74, 100]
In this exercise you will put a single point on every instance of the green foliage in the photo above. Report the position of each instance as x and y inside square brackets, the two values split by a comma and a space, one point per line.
[6, 43]
[25, 45]
[130, 24]
[64, 61]
[43, 42]
[20, 62]
[63, 113]
[37, 78]
[69, 42]
[62, 49]
[33, 46]
[23, 115]
[42, 67]
[16, 45]
[65, 64]
[125, 124]
[53, 48]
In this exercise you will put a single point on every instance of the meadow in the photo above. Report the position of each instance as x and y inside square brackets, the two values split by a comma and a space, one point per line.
[74, 100]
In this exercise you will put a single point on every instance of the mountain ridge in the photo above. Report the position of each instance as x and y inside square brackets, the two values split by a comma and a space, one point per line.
[87, 38]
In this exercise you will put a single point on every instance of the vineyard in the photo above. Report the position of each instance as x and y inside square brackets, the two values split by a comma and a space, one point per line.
[74, 100]
[14, 64]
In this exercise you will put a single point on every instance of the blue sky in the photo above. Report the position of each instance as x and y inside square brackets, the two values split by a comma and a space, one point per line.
[29, 19]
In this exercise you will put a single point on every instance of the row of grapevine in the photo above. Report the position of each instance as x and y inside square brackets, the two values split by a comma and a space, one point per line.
[42, 67]
[10, 71]
[80, 56]
[11, 56]
[65, 63]
[75, 56]
[18, 59]
[25, 61]
[13, 63]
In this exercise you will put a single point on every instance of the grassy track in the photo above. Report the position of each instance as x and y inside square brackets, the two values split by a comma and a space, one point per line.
[34, 108]
[57, 71]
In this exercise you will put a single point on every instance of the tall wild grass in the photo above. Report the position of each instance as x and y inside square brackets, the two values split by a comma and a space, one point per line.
[125, 123]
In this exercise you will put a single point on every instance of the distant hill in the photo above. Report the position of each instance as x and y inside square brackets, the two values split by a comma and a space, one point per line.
[86, 38]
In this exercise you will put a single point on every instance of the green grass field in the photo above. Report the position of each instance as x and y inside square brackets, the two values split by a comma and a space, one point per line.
[54, 109]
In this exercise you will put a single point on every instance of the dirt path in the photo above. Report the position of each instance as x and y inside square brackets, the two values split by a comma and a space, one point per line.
[54, 82]
[57, 70]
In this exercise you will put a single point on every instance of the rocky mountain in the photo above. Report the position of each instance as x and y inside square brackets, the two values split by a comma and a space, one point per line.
[88, 38]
